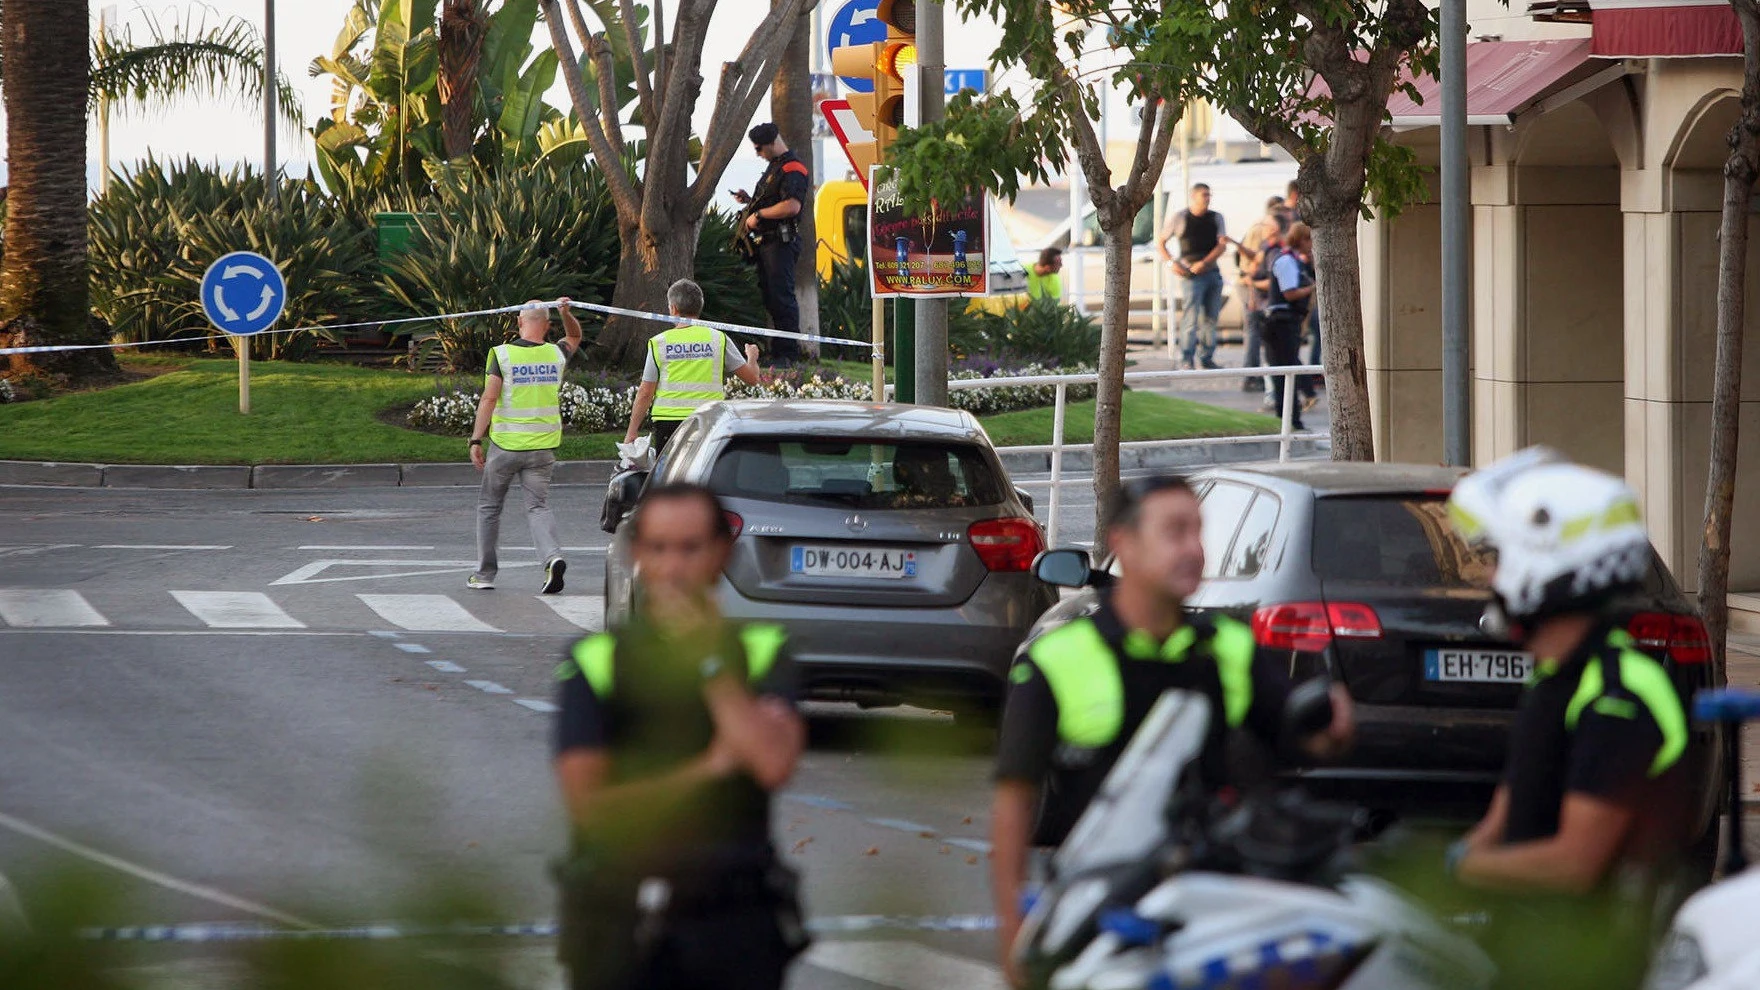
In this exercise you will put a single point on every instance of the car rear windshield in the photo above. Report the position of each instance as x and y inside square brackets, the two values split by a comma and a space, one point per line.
[857, 474]
[1399, 540]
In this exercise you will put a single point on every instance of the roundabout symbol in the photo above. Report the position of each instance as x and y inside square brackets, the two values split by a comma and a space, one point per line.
[243, 293]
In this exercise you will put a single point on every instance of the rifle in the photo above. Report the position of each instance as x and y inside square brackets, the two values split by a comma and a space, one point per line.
[743, 243]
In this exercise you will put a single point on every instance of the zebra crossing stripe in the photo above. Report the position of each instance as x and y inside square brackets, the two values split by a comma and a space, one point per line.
[425, 613]
[583, 611]
[236, 610]
[47, 607]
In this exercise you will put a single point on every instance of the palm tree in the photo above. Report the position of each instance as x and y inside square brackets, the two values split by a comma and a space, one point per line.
[46, 81]
[464, 26]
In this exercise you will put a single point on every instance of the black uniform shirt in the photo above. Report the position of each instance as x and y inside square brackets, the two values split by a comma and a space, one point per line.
[1031, 751]
[1608, 756]
[786, 178]
[654, 721]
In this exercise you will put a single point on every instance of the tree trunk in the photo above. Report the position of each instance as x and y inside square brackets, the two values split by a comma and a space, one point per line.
[646, 268]
[44, 287]
[791, 104]
[1340, 290]
[1115, 322]
[463, 28]
[1739, 175]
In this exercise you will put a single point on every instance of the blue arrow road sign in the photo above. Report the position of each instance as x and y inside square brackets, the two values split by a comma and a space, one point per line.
[243, 293]
[958, 79]
[857, 22]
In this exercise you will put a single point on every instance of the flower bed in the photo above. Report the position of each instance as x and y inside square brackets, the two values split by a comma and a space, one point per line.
[606, 404]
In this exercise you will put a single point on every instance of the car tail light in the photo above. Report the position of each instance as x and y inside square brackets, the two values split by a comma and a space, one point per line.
[1681, 638]
[1006, 544]
[1307, 627]
[734, 522]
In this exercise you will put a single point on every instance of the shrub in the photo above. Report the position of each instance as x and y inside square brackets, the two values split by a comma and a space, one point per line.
[1044, 330]
[154, 234]
[6, 392]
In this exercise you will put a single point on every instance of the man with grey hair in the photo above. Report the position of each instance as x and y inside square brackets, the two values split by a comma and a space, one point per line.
[687, 367]
[518, 428]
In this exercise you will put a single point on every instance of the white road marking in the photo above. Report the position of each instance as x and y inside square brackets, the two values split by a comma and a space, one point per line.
[308, 573]
[160, 546]
[903, 965]
[12, 919]
[489, 687]
[542, 707]
[327, 546]
[425, 613]
[585, 611]
[47, 607]
[445, 666]
[412, 647]
[139, 872]
[36, 548]
[236, 610]
[88, 631]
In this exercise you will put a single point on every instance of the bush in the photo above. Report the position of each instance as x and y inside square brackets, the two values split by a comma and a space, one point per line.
[1044, 330]
[6, 392]
[1008, 398]
[154, 234]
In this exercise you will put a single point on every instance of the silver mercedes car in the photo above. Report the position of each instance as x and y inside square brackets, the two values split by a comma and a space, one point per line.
[886, 538]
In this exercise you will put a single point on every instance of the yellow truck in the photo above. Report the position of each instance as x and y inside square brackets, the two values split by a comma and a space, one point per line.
[840, 217]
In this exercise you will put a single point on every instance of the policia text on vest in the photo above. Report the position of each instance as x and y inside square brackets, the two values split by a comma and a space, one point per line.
[686, 368]
[518, 428]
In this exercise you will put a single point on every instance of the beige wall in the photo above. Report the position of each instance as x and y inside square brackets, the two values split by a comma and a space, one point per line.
[1402, 332]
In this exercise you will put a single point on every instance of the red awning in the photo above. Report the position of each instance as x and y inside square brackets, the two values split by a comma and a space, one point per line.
[1664, 28]
[1503, 77]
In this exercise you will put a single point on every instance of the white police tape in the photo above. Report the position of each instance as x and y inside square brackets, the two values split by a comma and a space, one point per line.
[230, 932]
[498, 311]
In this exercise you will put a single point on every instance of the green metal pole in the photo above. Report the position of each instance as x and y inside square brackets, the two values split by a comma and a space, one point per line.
[904, 350]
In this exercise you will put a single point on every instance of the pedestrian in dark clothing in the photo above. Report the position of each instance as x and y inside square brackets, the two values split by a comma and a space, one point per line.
[1250, 256]
[1289, 290]
[771, 220]
[674, 731]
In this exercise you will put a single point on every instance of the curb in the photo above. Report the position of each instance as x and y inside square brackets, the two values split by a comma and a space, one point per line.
[274, 476]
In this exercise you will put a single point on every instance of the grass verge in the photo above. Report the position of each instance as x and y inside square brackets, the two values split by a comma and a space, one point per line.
[1146, 416]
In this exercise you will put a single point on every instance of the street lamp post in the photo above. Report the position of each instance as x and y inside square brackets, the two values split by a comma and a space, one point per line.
[1455, 428]
[271, 167]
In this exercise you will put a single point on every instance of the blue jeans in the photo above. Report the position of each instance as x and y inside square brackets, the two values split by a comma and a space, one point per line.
[1198, 323]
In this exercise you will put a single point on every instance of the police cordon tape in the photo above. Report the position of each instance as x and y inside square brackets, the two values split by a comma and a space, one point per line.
[498, 311]
[228, 932]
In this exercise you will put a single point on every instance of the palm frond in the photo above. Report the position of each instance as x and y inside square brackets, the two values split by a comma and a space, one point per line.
[186, 59]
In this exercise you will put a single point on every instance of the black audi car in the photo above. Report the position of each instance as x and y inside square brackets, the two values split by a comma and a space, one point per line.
[1352, 570]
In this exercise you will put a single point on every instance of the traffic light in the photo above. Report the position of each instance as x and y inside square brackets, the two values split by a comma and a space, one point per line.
[884, 63]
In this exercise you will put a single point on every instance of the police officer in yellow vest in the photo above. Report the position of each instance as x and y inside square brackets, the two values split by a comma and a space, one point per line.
[673, 732]
[518, 428]
[1085, 687]
[687, 368]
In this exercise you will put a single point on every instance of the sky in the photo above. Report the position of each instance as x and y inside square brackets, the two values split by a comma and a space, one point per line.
[228, 131]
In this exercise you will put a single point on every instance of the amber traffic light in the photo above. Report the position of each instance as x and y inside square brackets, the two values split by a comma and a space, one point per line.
[885, 63]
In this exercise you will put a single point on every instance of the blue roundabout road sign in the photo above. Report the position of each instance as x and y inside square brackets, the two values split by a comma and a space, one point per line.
[243, 293]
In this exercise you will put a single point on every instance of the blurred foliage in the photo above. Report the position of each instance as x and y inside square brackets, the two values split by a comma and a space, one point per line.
[1042, 330]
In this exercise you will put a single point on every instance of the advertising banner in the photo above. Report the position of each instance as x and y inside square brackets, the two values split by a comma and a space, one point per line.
[943, 253]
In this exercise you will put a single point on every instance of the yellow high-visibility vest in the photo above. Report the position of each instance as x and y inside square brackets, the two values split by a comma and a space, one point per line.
[529, 415]
[689, 360]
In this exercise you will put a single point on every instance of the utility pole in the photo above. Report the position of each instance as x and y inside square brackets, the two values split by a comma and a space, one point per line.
[271, 168]
[931, 342]
[106, 22]
[1456, 432]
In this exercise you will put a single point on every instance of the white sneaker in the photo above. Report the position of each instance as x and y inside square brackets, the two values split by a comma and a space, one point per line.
[479, 583]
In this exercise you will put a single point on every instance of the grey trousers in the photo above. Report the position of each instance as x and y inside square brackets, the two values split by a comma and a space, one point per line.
[532, 468]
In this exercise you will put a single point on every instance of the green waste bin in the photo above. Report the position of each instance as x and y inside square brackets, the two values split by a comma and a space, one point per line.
[396, 230]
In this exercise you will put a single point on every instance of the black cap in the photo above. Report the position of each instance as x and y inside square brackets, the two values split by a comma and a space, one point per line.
[764, 134]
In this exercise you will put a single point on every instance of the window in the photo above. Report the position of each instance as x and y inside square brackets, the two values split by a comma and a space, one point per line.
[855, 231]
[1247, 555]
[1223, 505]
[1394, 540]
[857, 474]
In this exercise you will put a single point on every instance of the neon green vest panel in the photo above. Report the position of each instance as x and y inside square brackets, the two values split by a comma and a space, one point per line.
[594, 656]
[1082, 672]
[1643, 677]
[689, 360]
[529, 415]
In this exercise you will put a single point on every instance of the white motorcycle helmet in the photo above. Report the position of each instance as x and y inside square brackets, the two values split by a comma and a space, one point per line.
[1567, 537]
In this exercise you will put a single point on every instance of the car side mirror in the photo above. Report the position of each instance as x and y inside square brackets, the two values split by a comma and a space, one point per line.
[621, 496]
[1308, 709]
[1064, 568]
[1026, 500]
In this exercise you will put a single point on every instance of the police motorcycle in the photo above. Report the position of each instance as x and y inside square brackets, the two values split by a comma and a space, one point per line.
[1161, 887]
[1710, 945]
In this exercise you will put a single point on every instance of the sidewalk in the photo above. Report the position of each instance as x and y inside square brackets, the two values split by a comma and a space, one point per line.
[1744, 671]
[1144, 356]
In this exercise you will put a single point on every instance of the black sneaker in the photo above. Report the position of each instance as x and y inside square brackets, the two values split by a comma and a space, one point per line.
[553, 572]
[1253, 385]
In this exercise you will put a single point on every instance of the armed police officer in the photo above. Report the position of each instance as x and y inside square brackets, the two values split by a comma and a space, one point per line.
[673, 733]
[1084, 688]
[1594, 799]
[687, 368]
[771, 221]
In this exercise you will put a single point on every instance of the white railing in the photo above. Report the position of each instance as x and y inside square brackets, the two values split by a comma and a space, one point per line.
[1285, 437]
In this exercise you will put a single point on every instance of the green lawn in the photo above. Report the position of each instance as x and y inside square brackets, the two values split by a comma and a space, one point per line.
[329, 414]
[1147, 416]
[300, 414]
